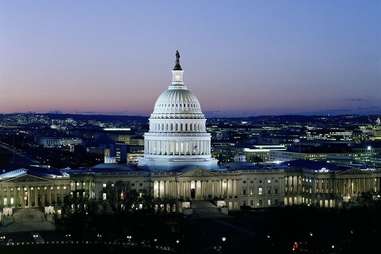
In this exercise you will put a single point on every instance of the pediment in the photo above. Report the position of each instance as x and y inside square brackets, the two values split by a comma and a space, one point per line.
[27, 178]
[198, 173]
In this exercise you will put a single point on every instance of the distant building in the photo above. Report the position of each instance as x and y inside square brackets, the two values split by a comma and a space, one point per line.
[116, 153]
[262, 152]
[53, 142]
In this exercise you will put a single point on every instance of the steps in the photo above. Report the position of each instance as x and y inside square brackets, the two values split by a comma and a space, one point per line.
[205, 209]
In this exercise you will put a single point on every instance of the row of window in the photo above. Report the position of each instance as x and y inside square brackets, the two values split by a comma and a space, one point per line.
[260, 191]
[177, 105]
[260, 203]
[260, 181]
[37, 188]
[104, 185]
[177, 127]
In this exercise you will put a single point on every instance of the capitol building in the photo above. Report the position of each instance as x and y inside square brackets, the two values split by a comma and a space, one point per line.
[177, 170]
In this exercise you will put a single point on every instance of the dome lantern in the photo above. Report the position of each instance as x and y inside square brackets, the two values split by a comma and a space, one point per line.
[177, 72]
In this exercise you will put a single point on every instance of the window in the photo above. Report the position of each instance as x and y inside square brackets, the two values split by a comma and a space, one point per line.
[104, 196]
[269, 202]
[260, 191]
[104, 185]
[268, 180]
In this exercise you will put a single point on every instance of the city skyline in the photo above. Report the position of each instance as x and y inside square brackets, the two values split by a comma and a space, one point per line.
[279, 58]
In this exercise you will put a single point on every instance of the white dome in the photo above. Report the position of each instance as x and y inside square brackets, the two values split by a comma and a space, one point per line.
[177, 102]
[177, 132]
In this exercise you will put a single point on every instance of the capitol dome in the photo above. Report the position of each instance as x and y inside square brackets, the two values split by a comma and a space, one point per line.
[177, 129]
[177, 102]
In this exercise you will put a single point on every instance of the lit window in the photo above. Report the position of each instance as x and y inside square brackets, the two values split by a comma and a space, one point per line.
[269, 202]
[104, 196]
[260, 191]
[104, 185]
[268, 180]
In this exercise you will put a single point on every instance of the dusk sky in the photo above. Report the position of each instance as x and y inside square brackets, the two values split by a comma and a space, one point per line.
[239, 57]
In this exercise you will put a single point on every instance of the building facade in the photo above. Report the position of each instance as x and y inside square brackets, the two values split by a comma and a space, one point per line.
[233, 189]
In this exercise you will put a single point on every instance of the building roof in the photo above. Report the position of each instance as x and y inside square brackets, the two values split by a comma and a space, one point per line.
[45, 172]
[313, 165]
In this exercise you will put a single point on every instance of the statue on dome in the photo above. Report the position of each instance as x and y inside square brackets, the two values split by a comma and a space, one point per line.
[177, 56]
[177, 65]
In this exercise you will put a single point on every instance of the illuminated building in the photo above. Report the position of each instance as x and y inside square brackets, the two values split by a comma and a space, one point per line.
[177, 134]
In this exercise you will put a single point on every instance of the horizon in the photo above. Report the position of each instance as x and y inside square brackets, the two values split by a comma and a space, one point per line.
[281, 58]
[208, 115]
